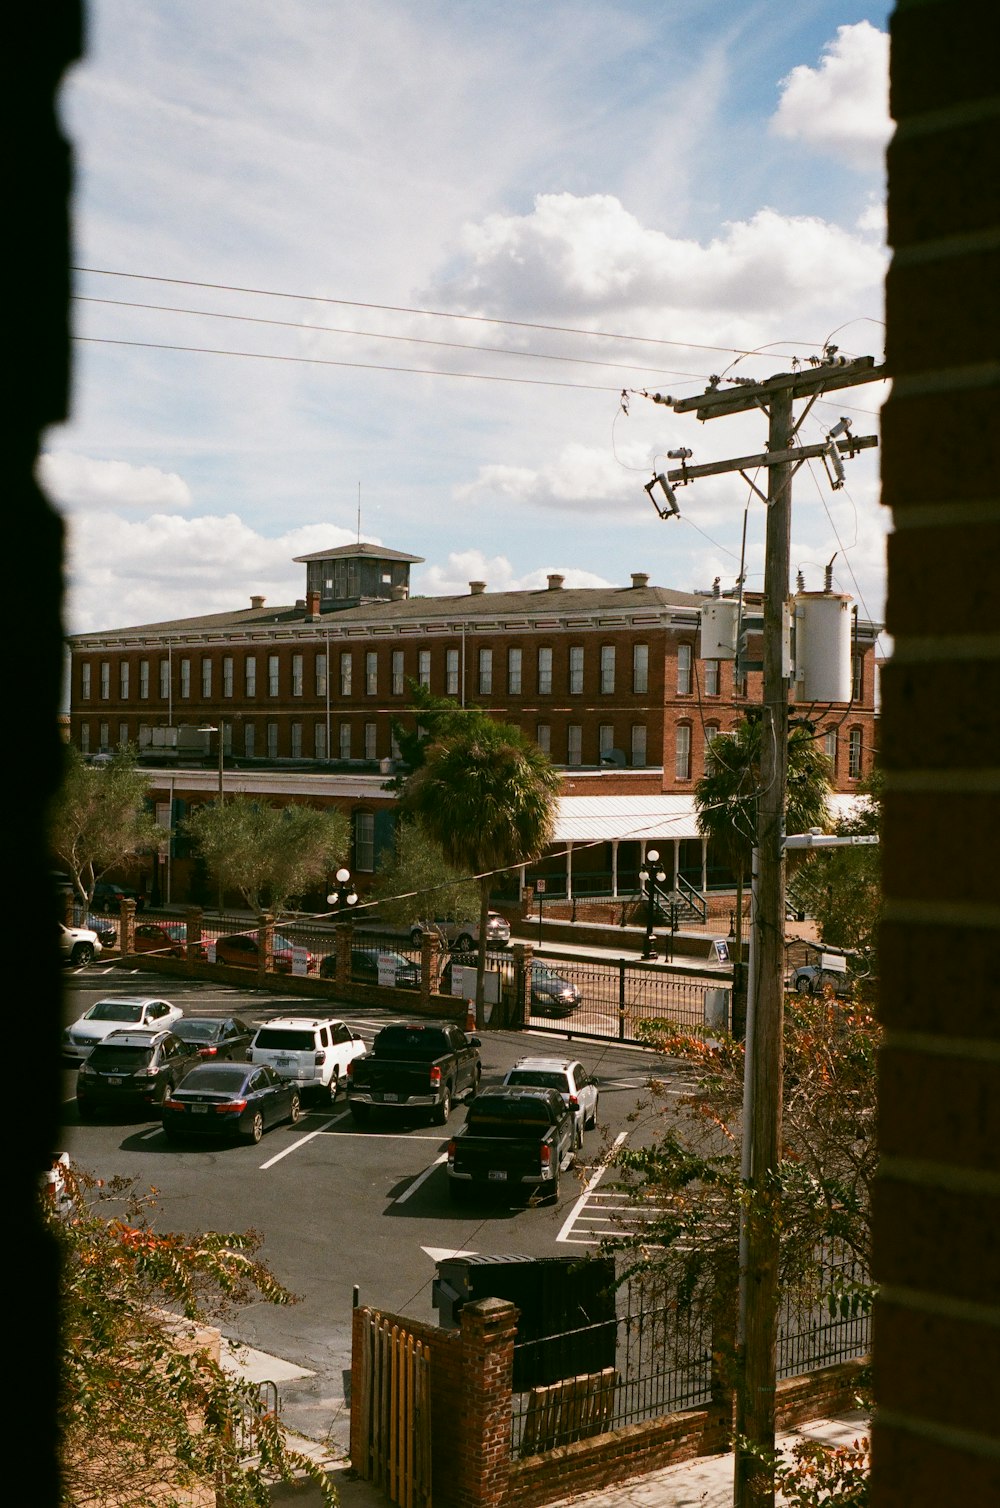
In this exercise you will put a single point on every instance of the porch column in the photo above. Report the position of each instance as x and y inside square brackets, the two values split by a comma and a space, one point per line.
[569, 871]
[704, 865]
[614, 866]
[677, 861]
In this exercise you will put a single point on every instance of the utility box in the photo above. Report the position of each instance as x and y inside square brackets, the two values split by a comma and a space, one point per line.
[566, 1322]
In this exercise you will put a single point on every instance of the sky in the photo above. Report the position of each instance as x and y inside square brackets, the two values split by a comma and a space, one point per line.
[405, 272]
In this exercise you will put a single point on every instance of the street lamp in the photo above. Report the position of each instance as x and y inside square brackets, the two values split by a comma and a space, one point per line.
[343, 895]
[654, 876]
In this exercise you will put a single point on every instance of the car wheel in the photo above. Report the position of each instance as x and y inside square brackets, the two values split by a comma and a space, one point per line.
[359, 1114]
[82, 954]
[295, 1109]
[333, 1086]
[164, 1092]
[474, 1089]
[802, 985]
[593, 1119]
[553, 1195]
[443, 1110]
[464, 943]
[416, 937]
[577, 1134]
[256, 1128]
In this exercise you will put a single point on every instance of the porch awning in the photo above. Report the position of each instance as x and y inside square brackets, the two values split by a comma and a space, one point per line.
[591, 819]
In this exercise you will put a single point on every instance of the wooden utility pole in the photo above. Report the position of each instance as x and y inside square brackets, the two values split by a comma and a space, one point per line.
[760, 1222]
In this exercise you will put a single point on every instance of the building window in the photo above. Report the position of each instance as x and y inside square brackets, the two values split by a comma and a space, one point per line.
[272, 740]
[830, 745]
[640, 669]
[346, 672]
[854, 753]
[249, 740]
[84, 738]
[185, 678]
[711, 677]
[319, 740]
[545, 672]
[513, 672]
[227, 675]
[273, 672]
[683, 670]
[638, 743]
[320, 674]
[424, 667]
[296, 740]
[206, 677]
[682, 752]
[607, 669]
[574, 744]
[485, 672]
[85, 681]
[122, 735]
[543, 737]
[857, 677]
[164, 680]
[711, 734]
[605, 741]
[145, 735]
[371, 672]
[144, 680]
[345, 740]
[576, 669]
[105, 680]
[297, 676]
[103, 737]
[397, 672]
[371, 740]
[451, 672]
[250, 675]
[364, 842]
[123, 677]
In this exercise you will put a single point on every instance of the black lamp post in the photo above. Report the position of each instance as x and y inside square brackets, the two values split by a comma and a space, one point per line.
[343, 894]
[654, 877]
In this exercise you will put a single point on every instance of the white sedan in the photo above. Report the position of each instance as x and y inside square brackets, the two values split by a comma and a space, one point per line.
[107, 1015]
[577, 1087]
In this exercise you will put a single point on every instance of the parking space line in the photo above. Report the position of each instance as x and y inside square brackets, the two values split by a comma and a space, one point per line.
[421, 1178]
[300, 1141]
[589, 1187]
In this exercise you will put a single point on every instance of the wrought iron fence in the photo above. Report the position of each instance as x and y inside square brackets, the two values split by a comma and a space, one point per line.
[609, 999]
[829, 1321]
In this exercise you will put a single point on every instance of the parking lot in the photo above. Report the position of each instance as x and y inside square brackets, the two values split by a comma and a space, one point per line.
[341, 1208]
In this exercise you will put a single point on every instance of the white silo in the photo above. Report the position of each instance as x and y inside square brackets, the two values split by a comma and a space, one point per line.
[822, 647]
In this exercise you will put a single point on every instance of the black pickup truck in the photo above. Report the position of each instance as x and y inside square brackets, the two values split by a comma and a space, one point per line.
[415, 1065]
[514, 1138]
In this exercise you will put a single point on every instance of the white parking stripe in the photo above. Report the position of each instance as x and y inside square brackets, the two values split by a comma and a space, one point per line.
[592, 1182]
[422, 1178]
[301, 1140]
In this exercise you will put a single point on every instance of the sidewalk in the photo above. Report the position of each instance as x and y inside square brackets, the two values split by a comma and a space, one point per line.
[704, 1483]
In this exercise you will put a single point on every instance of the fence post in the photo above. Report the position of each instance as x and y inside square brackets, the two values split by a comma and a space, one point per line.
[483, 1465]
[621, 1000]
[126, 928]
[265, 942]
[523, 955]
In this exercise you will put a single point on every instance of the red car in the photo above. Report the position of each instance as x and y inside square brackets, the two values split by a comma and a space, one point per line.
[169, 939]
[240, 951]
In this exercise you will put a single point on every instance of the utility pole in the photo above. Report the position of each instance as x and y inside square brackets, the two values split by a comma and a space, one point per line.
[760, 1219]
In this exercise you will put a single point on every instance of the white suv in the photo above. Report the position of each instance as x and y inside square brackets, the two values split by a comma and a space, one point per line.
[463, 936]
[78, 945]
[577, 1087]
[312, 1052]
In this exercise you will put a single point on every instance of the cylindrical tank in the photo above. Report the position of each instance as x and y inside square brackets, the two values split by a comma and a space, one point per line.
[719, 618]
[822, 647]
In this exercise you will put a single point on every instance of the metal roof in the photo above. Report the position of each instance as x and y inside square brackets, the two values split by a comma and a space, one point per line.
[589, 819]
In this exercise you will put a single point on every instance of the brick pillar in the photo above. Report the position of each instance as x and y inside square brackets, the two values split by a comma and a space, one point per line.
[126, 928]
[521, 1011]
[265, 944]
[430, 966]
[482, 1465]
[193, 917]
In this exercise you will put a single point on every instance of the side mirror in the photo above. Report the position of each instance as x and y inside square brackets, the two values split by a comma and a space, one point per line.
[475, 1042]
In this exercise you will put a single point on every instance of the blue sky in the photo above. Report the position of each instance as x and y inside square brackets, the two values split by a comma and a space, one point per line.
[310, 193]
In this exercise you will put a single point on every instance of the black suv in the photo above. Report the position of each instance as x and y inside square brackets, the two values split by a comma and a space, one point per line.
[133, 1068]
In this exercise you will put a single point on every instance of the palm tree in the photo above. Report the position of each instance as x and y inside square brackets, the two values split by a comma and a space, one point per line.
[726, 802]
[487, 797]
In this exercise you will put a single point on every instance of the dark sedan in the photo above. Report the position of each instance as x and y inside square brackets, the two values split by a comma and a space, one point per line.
[133, 1068]
[225, 1038]
[230, 1101]
[551, 993]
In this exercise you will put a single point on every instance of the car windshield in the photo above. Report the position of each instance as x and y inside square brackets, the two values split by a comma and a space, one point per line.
[115, 1058]
[286, 1041]
[282, 942]
[537, 1079]
[198, 1031]
[546, 976]
[114, 1010]
[224, 1078]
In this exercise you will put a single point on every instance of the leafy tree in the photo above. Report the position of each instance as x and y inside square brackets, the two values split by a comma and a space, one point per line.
[429, 719]
[419, 882]
[726, 798]
[145, 1418]
[256, 849]
[844, 885]
[487, 796]
[99, 819]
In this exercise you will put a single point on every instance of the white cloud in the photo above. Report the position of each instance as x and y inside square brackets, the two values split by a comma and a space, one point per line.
[841, 107]
[581, 477]
[465, 566]
[78, 481]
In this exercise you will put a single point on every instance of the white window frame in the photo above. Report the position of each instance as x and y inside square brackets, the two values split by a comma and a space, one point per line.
[682, 751]
[605, 740]
[607, 669]
[105, 680]
[85, 680]
[273, 675]
[298, 674]
[514, 666]
[364, 842]
[855, 753]
[250, 675]
[185, 678]
[371, 672]
[319, 673]
[684, 661]
[637, 745]
[144, 680]
[575, 678]
[640, 668]
[344, 740]
[206, 676]
[371, 740]
[272, 740]
[319, 740]
[124, 676]
[486, 672]
[346, 672]
[543, 737]
[227, 675]
[398, 673]
[424, 667]
[712, 677]
[574, 743]
[544, 670]
[451, 672]
[296, 737]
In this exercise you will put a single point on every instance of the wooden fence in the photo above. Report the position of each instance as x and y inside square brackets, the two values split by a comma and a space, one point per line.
[396, 1415]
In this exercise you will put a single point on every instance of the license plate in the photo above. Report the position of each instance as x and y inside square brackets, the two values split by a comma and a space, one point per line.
[199, 1109]
[283, 1062]
[498, 1174]
[116, 1082]
[391, 1099]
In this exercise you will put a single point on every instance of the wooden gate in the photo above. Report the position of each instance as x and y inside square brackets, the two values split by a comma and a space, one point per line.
[396, 1413]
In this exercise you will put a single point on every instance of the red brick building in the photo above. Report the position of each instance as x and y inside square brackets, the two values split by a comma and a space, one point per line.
[609, 681]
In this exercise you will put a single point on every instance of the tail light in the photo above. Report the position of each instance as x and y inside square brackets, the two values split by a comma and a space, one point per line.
[233, 1107]
[319, 1057]
[573, 1102]
[451, 1150]
[435, 1075]
[350, 1069]
[208, 1052]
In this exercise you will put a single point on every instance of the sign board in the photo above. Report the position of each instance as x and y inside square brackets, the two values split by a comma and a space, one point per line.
[387, 965]
[539, 887]
[463, 982]
[721, 948]
[299, 959]
[836, 963]
[209, 944]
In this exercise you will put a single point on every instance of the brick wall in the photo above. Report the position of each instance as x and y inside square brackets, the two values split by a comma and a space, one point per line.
[936, 1437]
